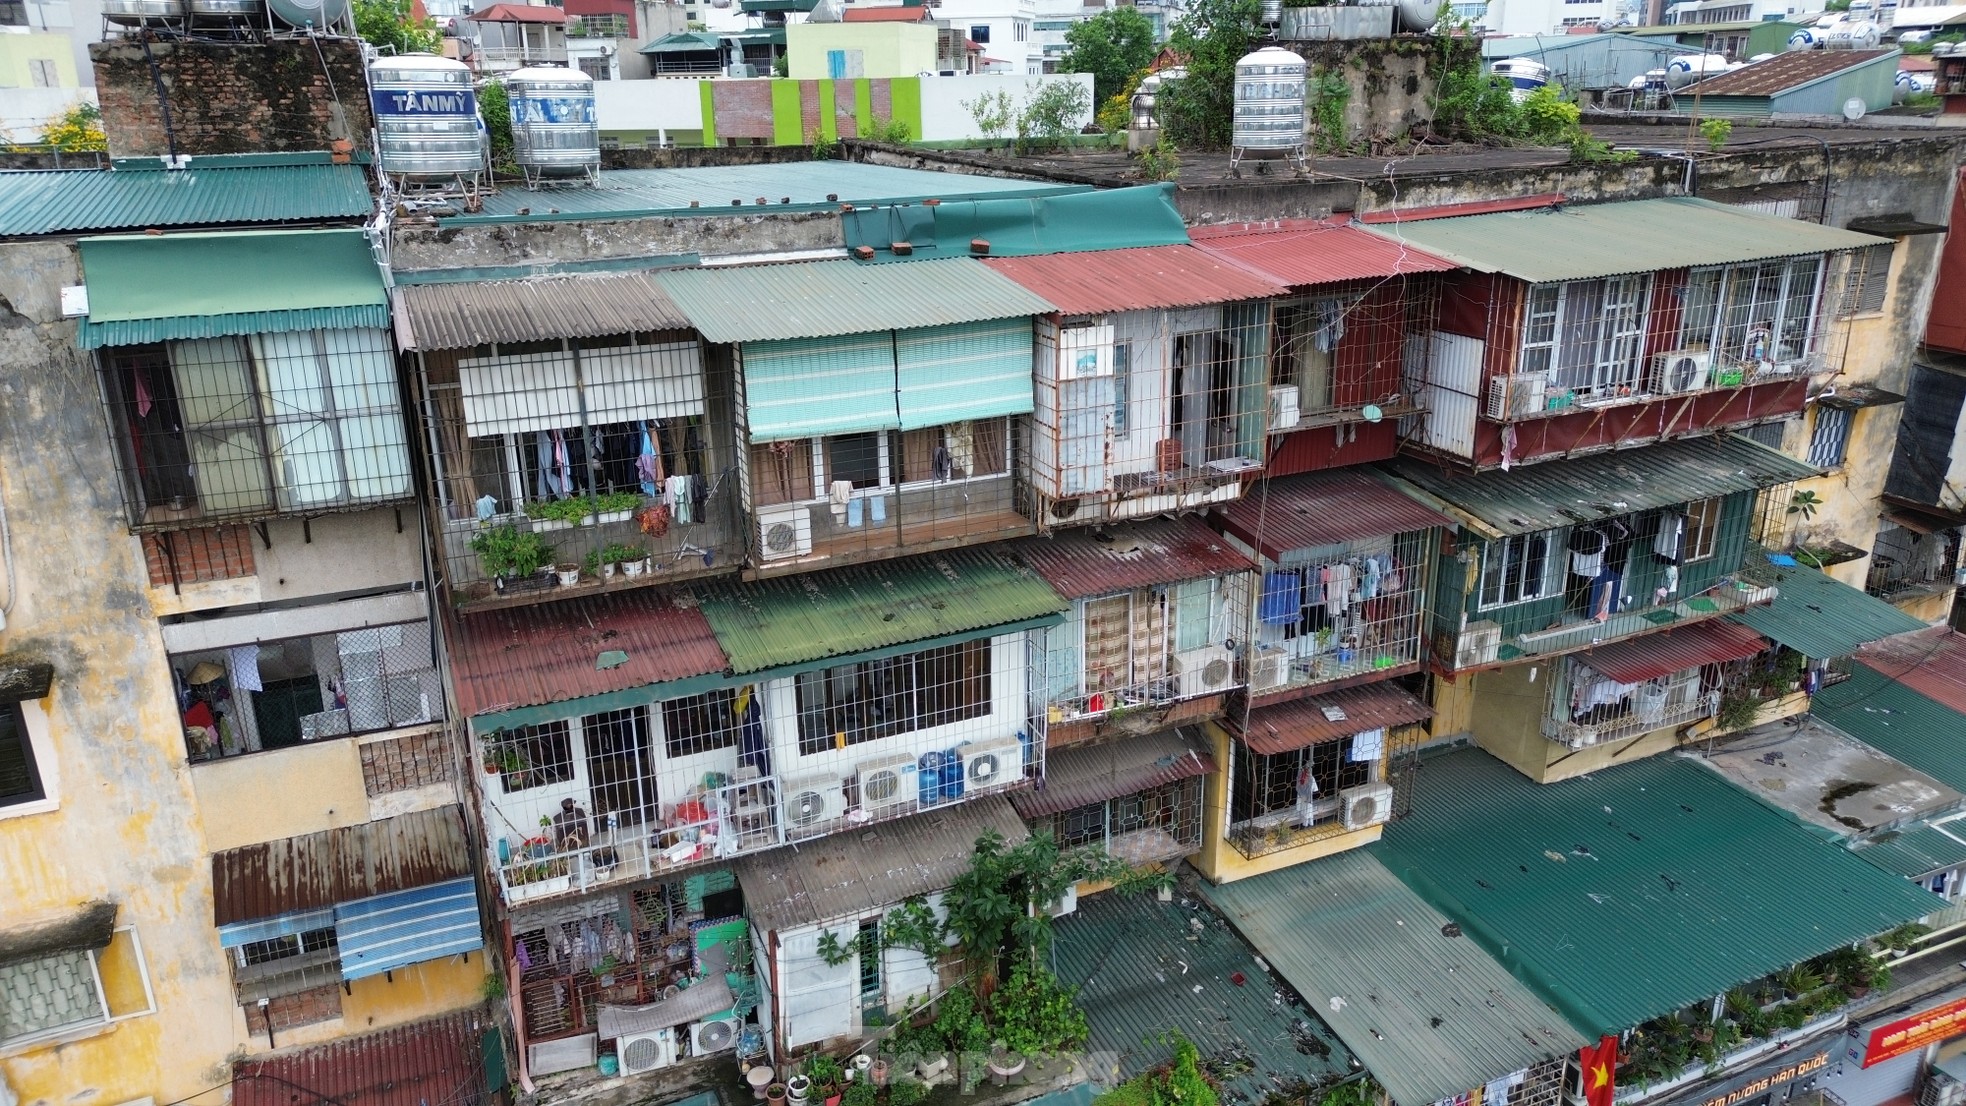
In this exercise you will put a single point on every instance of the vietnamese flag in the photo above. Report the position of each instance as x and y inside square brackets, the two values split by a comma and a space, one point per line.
[1600, 1065]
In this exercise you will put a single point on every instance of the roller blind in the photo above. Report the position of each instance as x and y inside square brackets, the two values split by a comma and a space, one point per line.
[807, 387]
[966, 371]
[520, 394]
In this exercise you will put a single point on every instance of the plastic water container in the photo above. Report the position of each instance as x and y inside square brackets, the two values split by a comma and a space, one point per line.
[952, 775]
[928, 775]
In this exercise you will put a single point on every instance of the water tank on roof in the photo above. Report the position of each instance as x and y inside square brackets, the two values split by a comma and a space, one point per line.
[311, 13]
[140, 13]
[1416, 16]
[1269, 111]
[554, 129]
[1524, 76]
[1853, 34]
[426, 117]
[219, 12]
[1687, 68]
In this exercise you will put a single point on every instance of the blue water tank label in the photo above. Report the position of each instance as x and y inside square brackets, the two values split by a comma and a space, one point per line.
[533, 108]
[424, 101]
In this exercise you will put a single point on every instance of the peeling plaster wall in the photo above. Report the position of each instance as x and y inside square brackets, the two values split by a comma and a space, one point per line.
[430, 246]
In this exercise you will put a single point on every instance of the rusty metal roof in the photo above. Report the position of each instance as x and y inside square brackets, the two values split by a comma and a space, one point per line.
[1139, 279]
[1930, 662]
[1086, 774]
[546, 653]
[1638, 659]
[1322, 508]
[885, 15]
[458, 316]
[1785, 71]
[845, 875]
[1301, 723]
[317, 870]
[421, 1064]
[1302, 252]
[1081, 563]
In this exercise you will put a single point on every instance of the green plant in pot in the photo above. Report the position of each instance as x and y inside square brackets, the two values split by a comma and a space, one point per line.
[506, 552]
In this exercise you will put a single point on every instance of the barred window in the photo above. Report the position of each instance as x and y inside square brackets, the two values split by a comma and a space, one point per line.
[49, 994]
[1869, 280]
[533, 756]
[20, 777]
[1760, 311]
[852, 703]
[286, 947]
[701, 723]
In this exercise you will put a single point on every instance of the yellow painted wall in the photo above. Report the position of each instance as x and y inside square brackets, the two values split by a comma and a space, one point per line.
[378, 1002]
[17, 50]
[306, 789]
[1509, 704]
[1219, 862]
[886, 49]
[1927, 608]
[1453, 706]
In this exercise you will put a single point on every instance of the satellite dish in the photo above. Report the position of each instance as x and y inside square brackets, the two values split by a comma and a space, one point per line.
[1372, 413]
[1853, 109]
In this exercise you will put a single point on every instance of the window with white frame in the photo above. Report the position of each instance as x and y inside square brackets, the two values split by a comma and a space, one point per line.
[1587, 336]
[1702, 528]
[1829, 437]
[57, 993]
[867, 700]
[1755, 313]
[1521, 568]
[805, 469]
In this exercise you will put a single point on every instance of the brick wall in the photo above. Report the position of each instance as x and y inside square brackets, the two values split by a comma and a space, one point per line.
[206, 553]
[402, 763]
[231, 98]
[317, 1004]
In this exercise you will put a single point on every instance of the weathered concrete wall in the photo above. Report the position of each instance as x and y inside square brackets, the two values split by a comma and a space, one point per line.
[329, 554]
[430, 246]
[1391, 85]
[232, 98]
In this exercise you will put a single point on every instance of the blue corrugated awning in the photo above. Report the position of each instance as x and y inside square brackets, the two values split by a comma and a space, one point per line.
[266, 929]
[407, 927]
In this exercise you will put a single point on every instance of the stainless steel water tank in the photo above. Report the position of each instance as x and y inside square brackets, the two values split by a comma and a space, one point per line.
[1269, 111]
[554, 130]
[311, 13]
[138, 13]
[426, 116]
[227, 11]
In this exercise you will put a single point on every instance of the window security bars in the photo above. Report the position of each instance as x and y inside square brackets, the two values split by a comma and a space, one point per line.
[1145, 648]
[1341, 611]
[1588, 708]
[1157, 825]
[1280, 800]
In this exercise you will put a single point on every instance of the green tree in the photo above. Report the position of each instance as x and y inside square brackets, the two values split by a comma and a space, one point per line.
[1199, 109]
[1111, 46]
[76, 131]
[390, 24]
[1053, 112]
[496, 110]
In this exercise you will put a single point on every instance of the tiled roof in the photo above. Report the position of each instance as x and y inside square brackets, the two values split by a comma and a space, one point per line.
[1141, 279]
[317, 870]
[207, 192]
[461, 315]
[1301, 723]
[1081, 563]
[1650, 656]
[1086, 774]
[421, 1064]
[1785, 71]
[1324, 508]
[530, 656]
[1304, 252]
[519, 13]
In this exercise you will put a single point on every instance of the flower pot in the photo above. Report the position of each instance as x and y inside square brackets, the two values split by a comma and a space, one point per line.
[613, 516]
[632, 569]
[798, 1087]
[762, 1082]
[861, 1063]
[830, 1094]
[568, 572]
[775, 1094]
[1003, 1065]
[880, 1072]
[547, 525]
[608, 570]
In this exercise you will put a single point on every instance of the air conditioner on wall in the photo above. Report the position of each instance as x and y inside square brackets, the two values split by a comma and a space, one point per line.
[813, 802]
[1203, 671]
[1513, 397]
[990, 764]
[1367, 805]
[1284, 411]
[1680, 370]
[1269, 671]
[1067, 902]
[565, 1054]
[715, 1035]
[1480, 643]
[888, 782]
[785, 531]
[645, 1052]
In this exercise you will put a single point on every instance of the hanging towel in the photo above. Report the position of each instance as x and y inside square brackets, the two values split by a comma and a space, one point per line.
[143, 393]
[1370, 745]
[962, 449]
[242, 668]
[877, 508]
[842, 491]
[561, 464]
[648, 465]
[854, 510]
[676, 492]
[1337, 589]
[1672, 531]
[1280, 605]
[487, 507]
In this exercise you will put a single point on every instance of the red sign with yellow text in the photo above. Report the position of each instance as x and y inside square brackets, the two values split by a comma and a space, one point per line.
[1915, 1032]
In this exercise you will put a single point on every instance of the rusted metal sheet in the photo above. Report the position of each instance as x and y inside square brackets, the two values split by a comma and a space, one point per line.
[1079, 563]
[1140, 279]
[459, 316]
[1095, 773]
[426, 1063]
[1930, 662]
[317, 870]
[1301, 723]
[1784, 71]
[1638, 659]
[551, 652]
[1325, 508]
[1305, 252]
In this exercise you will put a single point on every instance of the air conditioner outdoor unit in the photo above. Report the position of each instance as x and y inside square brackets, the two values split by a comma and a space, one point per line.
[645, 1052]
[1680, 370]
[990, 764]
[888, 782]
[1368, 805]
[715, 1035]
[813, 802]
[1269, 671]
[785, 531]
[1284, 411]
[1513, 397]
[1066, 902]
[1204, 671]
[1480, 643]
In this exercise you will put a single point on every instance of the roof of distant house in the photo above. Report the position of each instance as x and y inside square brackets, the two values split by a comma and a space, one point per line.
[519, 13]
[1785, 71]
[886, 15]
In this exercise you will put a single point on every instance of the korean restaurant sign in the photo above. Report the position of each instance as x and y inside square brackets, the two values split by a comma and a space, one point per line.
[1915, 1032]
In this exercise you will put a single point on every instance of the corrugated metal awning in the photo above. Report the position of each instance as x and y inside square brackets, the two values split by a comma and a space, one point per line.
[1301, 723]
[208, 191]
[337, 866]
[461, 315]
[1134, 280]
[819, 299]
[1638, 659]
[1931, 662]
[1320, 509]
[1816, 614]
[425, 1063]
[1309, 252]
[1086, 774]
[1082, 563]
[710, 996]
[1577, 242]
[387, 932]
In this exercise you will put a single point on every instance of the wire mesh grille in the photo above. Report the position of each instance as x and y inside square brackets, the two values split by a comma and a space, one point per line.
[1341, 612]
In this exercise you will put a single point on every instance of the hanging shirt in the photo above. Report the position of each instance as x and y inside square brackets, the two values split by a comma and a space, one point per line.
[676, 491]
[648, 465]
[1368, 588]
[1338, 584]
[1672, 531]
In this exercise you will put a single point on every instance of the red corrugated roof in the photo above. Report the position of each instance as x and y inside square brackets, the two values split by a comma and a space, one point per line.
[1784, 71]
[1303, 252]
[519, 13]
[548, 652]
[425, 1063]
[1930, 662]
[1638, 659]
[316, 870]
[1087, 774]
[1301, 723]
[1322, 508]
[1138, 279]
[885, 15]
[1078, 563]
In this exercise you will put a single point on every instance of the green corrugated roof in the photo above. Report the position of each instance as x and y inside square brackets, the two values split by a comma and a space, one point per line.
[1344, 927]
[683, 42]
[848, 612]
[1918, 851]
[154, 288]
[208, 192]
[1604, 485]
[1111, 219]
[1636, 890]
[1897, 721]
[1817, 615]
[1144, 967]
[1576, 242]
[817, 299]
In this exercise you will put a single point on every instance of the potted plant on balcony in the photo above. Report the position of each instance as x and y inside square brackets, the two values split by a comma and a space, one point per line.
[615, 557]
[615, 506]
[558, 514]
[509, 555]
